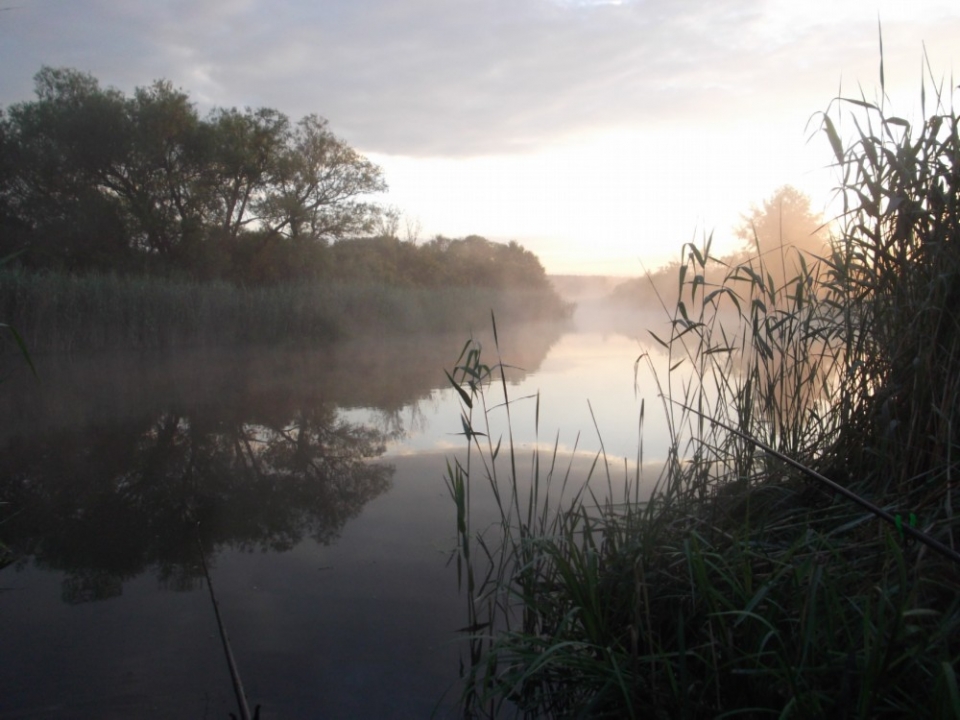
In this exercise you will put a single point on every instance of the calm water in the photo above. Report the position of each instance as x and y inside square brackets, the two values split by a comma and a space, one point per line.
[316, 482]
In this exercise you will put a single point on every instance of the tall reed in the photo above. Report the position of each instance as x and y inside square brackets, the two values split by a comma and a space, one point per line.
[735, 586]
[60, 312]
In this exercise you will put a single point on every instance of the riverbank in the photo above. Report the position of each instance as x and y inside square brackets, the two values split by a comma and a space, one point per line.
[745, 585]
[66, 313]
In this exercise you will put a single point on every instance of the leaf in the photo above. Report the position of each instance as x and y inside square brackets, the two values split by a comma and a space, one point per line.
[833, 138]
[22, 345]
[880, 36]
[861, 103]
[754, 601]
[950, 679]
[468, 430]
[697, 255]
[463, 393]
[697, 281]
[664, 344]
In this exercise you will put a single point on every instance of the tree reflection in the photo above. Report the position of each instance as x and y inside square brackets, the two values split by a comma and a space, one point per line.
[108, 465]
[106, 502]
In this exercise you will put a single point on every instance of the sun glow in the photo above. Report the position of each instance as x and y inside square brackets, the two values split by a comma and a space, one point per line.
[613, 202]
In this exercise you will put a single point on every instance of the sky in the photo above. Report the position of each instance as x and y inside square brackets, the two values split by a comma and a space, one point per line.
[600, 134]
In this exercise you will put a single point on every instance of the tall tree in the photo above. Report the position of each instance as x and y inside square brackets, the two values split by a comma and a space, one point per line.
[162, 175]
[785, 219]
[56, 150]
[318, 181]
[781, 229]
[246, 149]
[145, 177]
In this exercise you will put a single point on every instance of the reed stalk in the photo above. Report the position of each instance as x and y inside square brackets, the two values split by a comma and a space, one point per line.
[735, 586]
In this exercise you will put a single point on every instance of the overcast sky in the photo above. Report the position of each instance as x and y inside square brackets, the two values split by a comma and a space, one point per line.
[598, 133]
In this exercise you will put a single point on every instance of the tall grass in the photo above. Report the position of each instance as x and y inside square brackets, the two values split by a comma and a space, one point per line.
[736, 586]
[59, 312]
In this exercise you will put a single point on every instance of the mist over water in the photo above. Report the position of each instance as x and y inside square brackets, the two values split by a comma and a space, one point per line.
[316, 478]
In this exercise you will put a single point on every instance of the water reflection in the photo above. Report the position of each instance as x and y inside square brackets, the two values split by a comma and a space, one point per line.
[108, 466]
[106, 502]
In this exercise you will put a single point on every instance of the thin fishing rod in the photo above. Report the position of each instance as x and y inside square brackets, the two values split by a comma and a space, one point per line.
[234, 673]
[850, 495]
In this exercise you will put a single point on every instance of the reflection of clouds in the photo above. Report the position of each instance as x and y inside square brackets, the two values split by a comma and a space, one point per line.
[436, 445]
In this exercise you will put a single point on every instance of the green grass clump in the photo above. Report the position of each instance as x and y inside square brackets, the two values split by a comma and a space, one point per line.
[737, 586]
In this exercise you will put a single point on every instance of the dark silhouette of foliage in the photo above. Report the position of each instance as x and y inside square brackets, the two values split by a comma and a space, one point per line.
[442, 262]
[105, 502]
[93, 179]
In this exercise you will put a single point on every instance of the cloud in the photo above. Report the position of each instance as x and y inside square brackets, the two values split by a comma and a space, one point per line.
[472, 77]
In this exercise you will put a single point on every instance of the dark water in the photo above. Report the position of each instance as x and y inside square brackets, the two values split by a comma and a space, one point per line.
[312, 483]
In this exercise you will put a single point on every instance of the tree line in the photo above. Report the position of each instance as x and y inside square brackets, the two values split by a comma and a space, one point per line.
[94, 180]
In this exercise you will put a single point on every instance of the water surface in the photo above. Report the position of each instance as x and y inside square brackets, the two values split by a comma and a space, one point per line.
[311, 481]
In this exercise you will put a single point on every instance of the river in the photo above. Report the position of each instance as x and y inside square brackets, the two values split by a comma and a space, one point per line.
[311, 483]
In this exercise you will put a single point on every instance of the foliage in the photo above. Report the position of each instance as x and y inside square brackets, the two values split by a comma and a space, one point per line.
[472, 261]
[96, 180]
[737, 588]
[65, 313]
[785, 220]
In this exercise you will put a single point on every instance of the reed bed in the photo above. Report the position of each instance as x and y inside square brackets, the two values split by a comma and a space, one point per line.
[64, 313]
[737, 585]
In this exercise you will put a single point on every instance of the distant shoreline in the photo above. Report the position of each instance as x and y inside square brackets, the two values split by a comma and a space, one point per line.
[62, 313]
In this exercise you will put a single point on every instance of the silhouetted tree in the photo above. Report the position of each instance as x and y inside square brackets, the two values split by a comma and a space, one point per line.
[92, 178]
[317, 183]
[783, 225]
[778, 229]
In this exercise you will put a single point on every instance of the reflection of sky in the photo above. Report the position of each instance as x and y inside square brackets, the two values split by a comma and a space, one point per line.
[580, 368]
